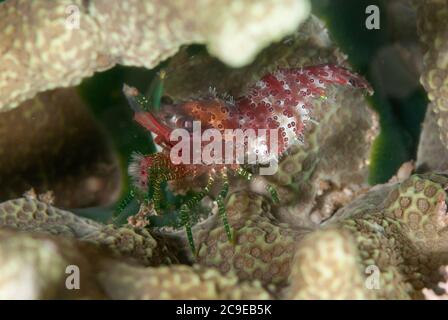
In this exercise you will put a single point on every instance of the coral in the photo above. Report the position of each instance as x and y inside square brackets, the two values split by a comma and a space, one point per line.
[32, 215]
[176, 282]
[326, 267]
[403, 236]
[263, 247]
[52, 142]
[433, 35]
[33, 266]
[388, 243]
[418, 204]
[330, 236]
[51, 50]
[432, 153]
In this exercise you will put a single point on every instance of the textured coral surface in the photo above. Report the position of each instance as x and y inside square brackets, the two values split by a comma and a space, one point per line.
[33, 215]
[433, 35]
[34, 267]
[331, 236]
[405, 236]
[50, 44]
[263, 247]
[326, 172]
[401, 234]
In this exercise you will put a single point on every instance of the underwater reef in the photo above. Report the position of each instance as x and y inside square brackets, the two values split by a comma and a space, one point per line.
[359, 209]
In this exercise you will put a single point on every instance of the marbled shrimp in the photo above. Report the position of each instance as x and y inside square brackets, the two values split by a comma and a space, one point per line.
[281, 100]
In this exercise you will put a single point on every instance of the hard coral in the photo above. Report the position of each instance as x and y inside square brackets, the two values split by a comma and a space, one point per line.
[34, 266]
[388, 242]
[433, 35]
[263, 247]
[432, 153]
[175, 282]
[51, 50]
[397, 231]
[36, 216]
[326, 266]
[402, 237]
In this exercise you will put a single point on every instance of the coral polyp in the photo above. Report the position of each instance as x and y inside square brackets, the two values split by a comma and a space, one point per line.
[275, 110]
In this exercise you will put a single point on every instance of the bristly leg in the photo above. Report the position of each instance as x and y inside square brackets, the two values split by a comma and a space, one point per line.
[154, 188]
[185, 217]
[273, 192]
[125, 202]
[158, 175]
[269, 188]
[221, 207]
[188, 206]
[127, 207]
[244, 173]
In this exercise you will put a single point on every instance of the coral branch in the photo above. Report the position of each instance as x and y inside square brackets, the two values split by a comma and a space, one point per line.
[433, 32]
[50, 44]
[33, 266]
[28, 214]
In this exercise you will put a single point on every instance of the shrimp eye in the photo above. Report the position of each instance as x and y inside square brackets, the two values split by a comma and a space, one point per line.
[352, 82]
